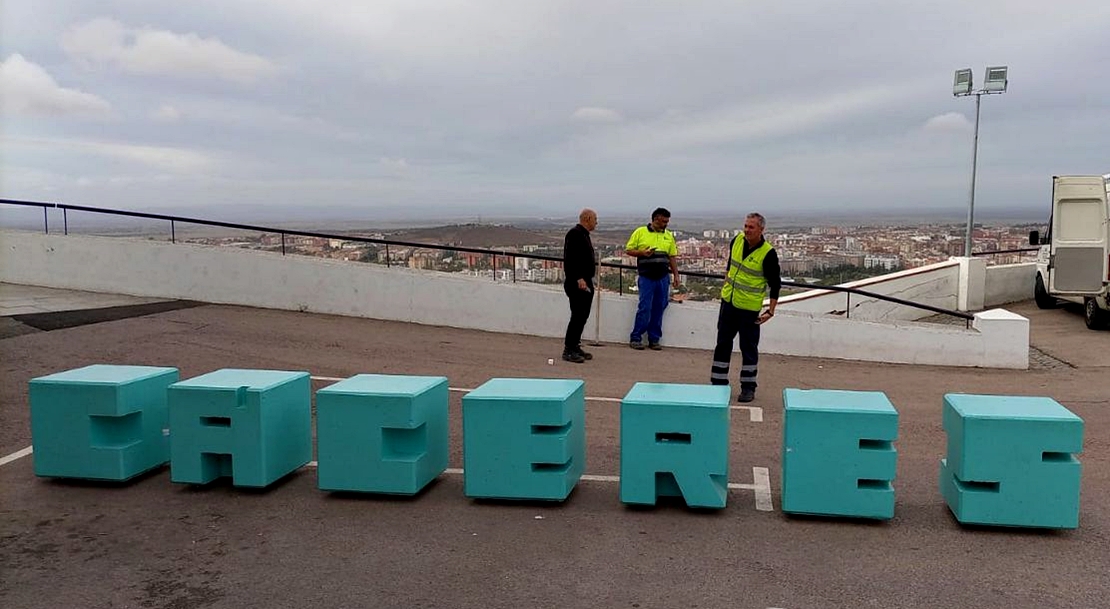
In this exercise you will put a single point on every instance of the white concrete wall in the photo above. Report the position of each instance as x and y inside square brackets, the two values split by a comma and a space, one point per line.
[270, 280]
[935, 284]
[973, 275]
[263, 279]
[1009, 283]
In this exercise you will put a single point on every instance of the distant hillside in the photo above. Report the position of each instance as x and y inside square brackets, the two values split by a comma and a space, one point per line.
[478, 235]
[611, 237]
[498, 236]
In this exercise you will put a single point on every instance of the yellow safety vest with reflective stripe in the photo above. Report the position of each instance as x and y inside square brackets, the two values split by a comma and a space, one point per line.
[745, 284]
[657, 265]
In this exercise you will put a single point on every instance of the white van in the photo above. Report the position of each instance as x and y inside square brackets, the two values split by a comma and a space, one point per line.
[1074, 261]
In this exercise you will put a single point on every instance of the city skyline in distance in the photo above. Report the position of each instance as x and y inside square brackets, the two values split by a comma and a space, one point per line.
[344, 218]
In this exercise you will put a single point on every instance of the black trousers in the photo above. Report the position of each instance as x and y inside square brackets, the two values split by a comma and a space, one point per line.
[580, 303]
[730, 323]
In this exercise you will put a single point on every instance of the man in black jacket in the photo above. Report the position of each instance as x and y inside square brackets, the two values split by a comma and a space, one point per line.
[579, 268]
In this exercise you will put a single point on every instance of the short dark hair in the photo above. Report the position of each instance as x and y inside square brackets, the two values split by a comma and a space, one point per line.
[660, 211]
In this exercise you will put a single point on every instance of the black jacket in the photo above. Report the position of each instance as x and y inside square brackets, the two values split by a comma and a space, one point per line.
[578, 255]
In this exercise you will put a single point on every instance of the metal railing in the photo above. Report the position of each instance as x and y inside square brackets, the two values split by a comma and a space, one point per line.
[173, 220]
[1020, 250]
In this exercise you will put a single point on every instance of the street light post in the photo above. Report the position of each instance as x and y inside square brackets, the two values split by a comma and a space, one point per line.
[963, 86]
[974, 166]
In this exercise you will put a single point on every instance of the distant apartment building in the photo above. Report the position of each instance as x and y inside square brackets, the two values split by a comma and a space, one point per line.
[396, 254]
[550, 275]
[693, 248]
[425, 260]
[471, 260]
[885, 262]
[796, 266]
[847, 259]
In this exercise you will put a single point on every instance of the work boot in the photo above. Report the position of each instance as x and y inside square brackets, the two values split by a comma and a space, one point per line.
[746, 395]
[585, 355]
[637, 345]
[655, 346]
[573, 357]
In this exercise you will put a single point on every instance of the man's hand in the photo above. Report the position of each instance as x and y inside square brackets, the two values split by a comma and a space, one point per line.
[583, 286]
[765, 316]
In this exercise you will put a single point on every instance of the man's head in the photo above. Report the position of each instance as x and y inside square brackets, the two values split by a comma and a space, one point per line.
[660, 218]
[753, 228]
[588, 219]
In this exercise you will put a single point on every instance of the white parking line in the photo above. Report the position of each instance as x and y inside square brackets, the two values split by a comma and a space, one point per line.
[755, 413]
[17, 455]
[595, 478]
[761, 484]
[762, 489]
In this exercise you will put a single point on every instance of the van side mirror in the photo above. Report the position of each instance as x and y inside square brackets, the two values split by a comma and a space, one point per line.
[1034, 237]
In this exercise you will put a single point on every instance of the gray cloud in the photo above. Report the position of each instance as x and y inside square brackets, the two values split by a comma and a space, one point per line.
[590, 114]
[30, 91]
[107, 42]
[546, 107]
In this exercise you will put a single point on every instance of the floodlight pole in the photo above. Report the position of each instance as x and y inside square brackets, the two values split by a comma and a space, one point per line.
[963, 86]
[974, 165]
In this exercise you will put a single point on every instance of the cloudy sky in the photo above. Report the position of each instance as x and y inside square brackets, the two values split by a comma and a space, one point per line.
[508, 107]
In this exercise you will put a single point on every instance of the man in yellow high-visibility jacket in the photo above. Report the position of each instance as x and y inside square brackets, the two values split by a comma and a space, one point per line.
[654, 248]
[753, 271]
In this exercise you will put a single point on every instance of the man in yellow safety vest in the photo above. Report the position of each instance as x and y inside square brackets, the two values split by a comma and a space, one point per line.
[753, 272]
[654, 248]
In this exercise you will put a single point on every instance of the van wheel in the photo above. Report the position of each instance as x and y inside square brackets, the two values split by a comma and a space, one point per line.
[1094, 317]
[1044, 300]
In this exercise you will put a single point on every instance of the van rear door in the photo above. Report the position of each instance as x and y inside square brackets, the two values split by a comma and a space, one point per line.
[1078, 260]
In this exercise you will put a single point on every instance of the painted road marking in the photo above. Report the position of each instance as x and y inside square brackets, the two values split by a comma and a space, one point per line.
[761, 479]
[761, 484]
[17, 455]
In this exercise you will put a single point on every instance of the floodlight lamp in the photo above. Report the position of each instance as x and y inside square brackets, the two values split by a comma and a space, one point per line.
[962, 83]
[995, 81]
